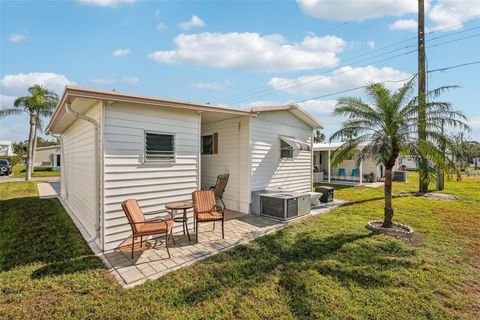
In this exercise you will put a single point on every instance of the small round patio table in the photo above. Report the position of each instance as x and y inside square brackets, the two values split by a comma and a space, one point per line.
[181, 205]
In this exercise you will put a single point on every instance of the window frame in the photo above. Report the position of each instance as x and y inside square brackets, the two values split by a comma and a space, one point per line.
[287, 148]
[214, 147]
[172, 159]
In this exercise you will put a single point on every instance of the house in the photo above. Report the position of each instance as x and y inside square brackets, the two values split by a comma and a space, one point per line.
[47, 156]
[408, 162]
[6, 148]
[117, 146]
[347, 171]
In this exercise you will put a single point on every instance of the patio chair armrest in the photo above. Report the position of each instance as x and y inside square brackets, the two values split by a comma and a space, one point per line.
[155, 212]
[157, 220]
[218, 208]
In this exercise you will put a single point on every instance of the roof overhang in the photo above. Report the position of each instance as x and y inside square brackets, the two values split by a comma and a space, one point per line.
[81, 99]
[294, 109]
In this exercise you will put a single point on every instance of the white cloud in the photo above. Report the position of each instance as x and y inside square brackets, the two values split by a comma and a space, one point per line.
[106, 3]
[327, 43]
[102, 81]
[195, 22]
[357, 10]
[131, 80]
[371, 44]
[211, 85]
[252, 51]
[17, 37]
[452, 13]
[6, 101]
[157, 13]
[341, 79]
[319, 108]
[161, 26]
[15, 131]
[121, 52]
[17, 84]
[474, 122]
[404, 24]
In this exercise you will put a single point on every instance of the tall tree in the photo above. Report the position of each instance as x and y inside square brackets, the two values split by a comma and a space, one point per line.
[318, 136]
[40, 103]
[388, 125]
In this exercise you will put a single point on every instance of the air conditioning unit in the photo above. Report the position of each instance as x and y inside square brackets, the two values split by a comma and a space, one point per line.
[284, 206]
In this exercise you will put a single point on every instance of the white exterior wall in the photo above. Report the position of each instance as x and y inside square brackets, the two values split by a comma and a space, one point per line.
[78, 178]
[152, 184]
[232, 158]
[267, 169]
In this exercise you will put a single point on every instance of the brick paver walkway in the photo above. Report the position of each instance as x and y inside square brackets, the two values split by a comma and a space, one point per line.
[151, 261]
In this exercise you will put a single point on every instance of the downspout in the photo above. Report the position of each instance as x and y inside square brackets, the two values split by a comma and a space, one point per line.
[98, 177]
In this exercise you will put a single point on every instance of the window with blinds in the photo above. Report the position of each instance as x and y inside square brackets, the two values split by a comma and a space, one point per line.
[159, 146]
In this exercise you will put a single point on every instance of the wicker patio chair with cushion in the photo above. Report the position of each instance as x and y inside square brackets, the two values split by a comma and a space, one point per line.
[205, 209]
[141, 227]
[219, 187]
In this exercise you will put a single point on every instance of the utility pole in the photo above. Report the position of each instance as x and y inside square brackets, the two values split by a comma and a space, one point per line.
[422, 135]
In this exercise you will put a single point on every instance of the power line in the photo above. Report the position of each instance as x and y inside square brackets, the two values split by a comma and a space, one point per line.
[245, 94]
[387, 81]
[302, 82]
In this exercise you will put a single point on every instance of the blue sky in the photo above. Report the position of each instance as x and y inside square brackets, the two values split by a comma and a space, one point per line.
[237, 53]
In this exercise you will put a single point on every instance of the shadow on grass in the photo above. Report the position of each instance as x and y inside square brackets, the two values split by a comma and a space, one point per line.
[350, 259]
[37, 231]
[71, 266]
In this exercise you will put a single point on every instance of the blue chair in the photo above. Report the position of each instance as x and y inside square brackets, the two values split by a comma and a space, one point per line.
[355, 172]
[341, 172]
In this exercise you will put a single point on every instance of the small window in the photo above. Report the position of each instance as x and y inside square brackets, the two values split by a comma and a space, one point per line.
[321, 158]
[286, 151]
[210, 144]
[159, 147]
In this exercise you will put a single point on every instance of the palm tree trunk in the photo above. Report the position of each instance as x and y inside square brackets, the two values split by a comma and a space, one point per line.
[388, 210]
[33, 126]
[34, 148]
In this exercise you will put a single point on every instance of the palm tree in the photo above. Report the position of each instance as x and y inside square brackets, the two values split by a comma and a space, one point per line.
[387, 126]
[40, 103]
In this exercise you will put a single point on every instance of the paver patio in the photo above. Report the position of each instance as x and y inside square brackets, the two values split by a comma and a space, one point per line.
[151, 261]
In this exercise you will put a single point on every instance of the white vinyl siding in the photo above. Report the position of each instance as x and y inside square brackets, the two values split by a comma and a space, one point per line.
[128, 176]
[267, 168]
[232, 158]
[78, 177]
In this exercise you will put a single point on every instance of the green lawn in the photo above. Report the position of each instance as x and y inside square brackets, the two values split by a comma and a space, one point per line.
[18, 171]
[328, 267]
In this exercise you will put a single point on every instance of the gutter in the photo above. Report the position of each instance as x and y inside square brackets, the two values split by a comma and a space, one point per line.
[98, 177]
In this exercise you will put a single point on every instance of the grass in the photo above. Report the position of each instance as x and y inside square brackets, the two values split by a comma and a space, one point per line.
[327, 267]
[18, 171]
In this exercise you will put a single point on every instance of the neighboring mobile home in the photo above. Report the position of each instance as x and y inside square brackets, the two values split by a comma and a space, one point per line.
[47, 156]
[347, 171]
[116, 146]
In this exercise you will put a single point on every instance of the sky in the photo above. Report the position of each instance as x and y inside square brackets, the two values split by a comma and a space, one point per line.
[236, 53]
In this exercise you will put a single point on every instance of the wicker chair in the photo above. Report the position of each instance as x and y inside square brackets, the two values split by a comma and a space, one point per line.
[205, 209]
[219, 187]
[141, 227]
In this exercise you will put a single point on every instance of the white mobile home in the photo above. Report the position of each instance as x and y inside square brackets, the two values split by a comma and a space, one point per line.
[116, 146]
[347, 171]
